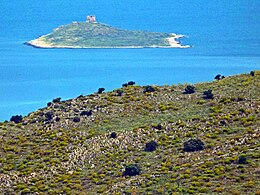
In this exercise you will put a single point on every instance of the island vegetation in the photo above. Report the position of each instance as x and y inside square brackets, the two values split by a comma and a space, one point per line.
[92, 34]
[178, 139]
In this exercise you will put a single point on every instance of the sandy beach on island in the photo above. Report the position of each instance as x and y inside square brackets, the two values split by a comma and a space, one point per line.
[39, 43]
[173, 43]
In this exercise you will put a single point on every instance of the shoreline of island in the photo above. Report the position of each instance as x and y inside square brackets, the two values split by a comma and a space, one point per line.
[172, 41]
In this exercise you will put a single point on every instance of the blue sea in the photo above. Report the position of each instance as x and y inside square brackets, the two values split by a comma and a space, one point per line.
[224, 35]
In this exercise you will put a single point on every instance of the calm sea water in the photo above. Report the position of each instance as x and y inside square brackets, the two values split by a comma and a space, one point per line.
[225, 36]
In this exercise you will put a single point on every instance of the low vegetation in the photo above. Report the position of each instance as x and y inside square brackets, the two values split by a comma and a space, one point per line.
[87, 35]
[147, 140]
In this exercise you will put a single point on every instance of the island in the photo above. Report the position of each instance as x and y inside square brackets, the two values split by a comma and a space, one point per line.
[92, 34]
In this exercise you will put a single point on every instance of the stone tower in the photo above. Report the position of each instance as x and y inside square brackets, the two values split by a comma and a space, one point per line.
[91, 19]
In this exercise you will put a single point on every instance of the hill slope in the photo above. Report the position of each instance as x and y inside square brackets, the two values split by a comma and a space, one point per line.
[68, 148]
[97, 35]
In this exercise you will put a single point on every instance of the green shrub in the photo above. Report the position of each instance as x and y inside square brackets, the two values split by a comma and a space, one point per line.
[86, 113]
[76, 119]
[159, 126]
[208, 94]
[49, 115]
[119, 92]
[201, 102]
[101, 90]
[151, 146]
[189, 89]
[242, 159]
[148, 89]
[217, 77]
[56, 100]
[16, 118]
[125, 85]
[131, 83]
[193, 145]
[132, 170]
[113, 135]
[203, 190]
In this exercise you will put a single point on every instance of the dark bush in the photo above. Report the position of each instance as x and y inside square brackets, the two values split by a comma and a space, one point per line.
[252, 73]
[49, 104]
[113, 135]
[125, 85]
[101, 90]
[131, 83]
[119, 92]
[218, 77]
[49, 115]
[76, 110]
[132, 170]
[86, 113]
[57, 119]
[208, 94]
[193, 145]
[189, 89]
[239, 99]
[76, 119]
[56, 106]
[223, 122]
[81, 96]
[56, 100]
[148, 89]
[41, 113]
[159, 127]
[16, 118]
[151, 146]
[242, 159]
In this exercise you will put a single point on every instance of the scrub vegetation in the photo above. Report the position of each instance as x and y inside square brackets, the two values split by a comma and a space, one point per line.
[147, 140]
[87, 35]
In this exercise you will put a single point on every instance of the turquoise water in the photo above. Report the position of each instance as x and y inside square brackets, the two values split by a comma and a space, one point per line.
[225, 36]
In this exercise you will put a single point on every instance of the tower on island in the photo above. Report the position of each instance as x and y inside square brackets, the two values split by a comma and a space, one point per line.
[91, 19]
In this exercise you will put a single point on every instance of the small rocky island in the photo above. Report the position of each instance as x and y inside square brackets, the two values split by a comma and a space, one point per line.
[91, 34]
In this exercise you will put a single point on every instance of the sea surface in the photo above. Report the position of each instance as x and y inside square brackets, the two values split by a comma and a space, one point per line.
[224, 35]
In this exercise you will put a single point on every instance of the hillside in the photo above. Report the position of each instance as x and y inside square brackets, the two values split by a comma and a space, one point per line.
[98, 35]
[83, 145]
